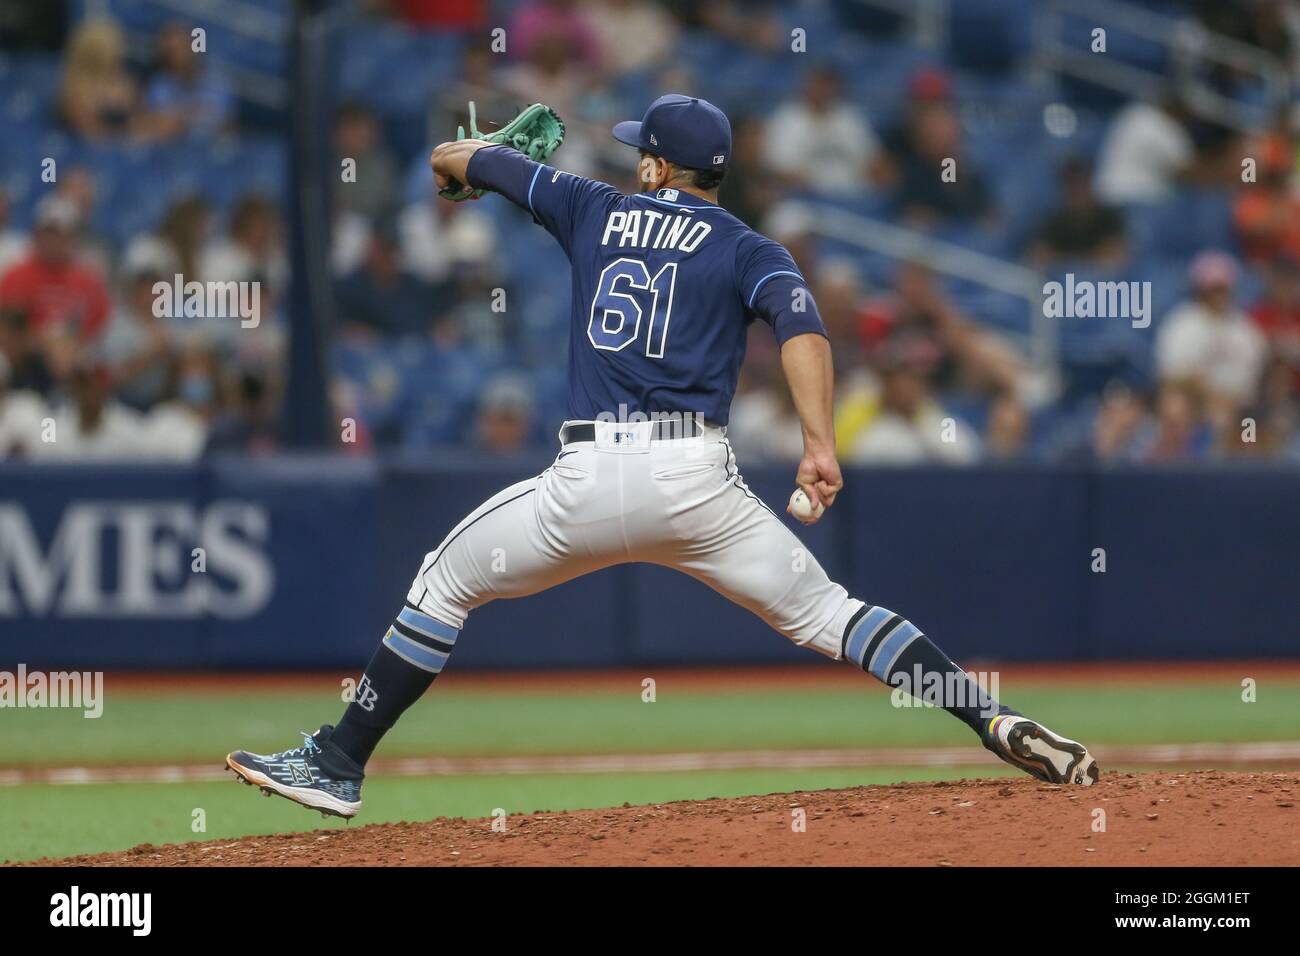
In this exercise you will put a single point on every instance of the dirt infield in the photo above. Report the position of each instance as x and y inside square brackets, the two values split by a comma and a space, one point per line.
[1191, 819]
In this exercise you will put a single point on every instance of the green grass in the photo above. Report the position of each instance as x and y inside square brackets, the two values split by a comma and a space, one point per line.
[141, 727]
[149, 727]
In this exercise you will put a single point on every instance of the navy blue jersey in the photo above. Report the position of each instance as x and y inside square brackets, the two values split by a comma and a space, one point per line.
[664, 288]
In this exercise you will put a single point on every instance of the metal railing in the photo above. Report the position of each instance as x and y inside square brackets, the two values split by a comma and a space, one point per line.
[949, 259]
[926, 20]
[1189, 45]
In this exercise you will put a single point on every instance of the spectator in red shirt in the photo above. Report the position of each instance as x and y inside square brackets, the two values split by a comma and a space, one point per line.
[439, 14]
[1277, 314]
[58, 293]
[540, 28]
[1267, 213]
[919, 315]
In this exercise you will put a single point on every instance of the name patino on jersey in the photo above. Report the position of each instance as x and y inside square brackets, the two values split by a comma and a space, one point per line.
[653, 229]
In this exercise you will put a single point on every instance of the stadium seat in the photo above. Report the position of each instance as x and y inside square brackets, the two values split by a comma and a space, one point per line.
[990, 36]
[1184, 224]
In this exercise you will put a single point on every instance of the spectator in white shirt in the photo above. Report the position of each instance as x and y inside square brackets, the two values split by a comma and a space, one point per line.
[632, 34]
[1209, 342]
[438, 238]
[821, 141]
[22, 416]
[909, 425]
[137, 345]
[93, 426]
[253, 252]
[1146, 150]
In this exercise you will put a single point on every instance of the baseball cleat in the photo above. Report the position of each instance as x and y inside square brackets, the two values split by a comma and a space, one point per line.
[1027, 744]
[314, 775]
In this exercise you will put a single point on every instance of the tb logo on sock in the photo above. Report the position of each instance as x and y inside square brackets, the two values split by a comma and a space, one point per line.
[366, 695]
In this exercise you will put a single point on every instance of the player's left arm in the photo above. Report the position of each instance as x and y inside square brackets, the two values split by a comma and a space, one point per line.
[554, 198]
[450, 161]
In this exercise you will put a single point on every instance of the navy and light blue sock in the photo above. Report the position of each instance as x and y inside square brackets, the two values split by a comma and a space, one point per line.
[894, 651]
[411, 655]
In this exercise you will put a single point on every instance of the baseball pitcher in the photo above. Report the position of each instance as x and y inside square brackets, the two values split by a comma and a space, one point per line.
[665, 284]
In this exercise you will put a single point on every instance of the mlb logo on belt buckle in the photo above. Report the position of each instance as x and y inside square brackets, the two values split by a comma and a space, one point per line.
[628, 438]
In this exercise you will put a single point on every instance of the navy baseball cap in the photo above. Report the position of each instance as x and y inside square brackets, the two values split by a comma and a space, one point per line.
[684, 130]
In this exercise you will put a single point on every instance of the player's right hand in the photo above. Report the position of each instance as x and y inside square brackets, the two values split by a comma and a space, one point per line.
[819, 477]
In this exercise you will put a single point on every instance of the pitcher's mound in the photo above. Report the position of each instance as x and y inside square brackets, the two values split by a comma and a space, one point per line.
[1184, 819]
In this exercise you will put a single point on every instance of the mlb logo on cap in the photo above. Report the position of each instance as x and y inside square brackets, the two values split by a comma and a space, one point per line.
[684, 130]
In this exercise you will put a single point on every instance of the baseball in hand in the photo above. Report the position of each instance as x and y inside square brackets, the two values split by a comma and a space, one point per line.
[803, 509]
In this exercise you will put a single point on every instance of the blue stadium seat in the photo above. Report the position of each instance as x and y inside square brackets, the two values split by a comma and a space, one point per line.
[440, 392]
[998, 310]
[1169, 283]
[375, 378]
[991, 36]
[398, 74]
[1192, 220]
[1094, 350]
[1127, 48]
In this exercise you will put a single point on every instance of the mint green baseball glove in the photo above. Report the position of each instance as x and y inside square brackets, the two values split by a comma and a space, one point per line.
[537, 132]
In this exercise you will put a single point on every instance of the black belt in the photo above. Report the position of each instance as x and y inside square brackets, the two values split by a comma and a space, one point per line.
[664, 429]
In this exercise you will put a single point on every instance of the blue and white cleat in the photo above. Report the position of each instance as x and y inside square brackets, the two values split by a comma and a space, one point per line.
[1031, 747]
[314, 775]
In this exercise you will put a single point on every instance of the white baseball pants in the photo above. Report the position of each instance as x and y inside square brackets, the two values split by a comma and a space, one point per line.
[680, 503]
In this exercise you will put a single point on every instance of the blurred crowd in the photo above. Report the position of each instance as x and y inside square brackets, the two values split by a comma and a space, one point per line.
[94, 365]
[921, 377]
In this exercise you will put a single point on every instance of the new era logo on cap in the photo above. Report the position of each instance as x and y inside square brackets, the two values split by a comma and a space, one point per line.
[688, 131]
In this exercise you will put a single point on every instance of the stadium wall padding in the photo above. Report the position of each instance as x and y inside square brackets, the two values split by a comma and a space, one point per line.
[306, 561]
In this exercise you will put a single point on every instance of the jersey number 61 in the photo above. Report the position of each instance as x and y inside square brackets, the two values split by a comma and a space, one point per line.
[625, 292]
